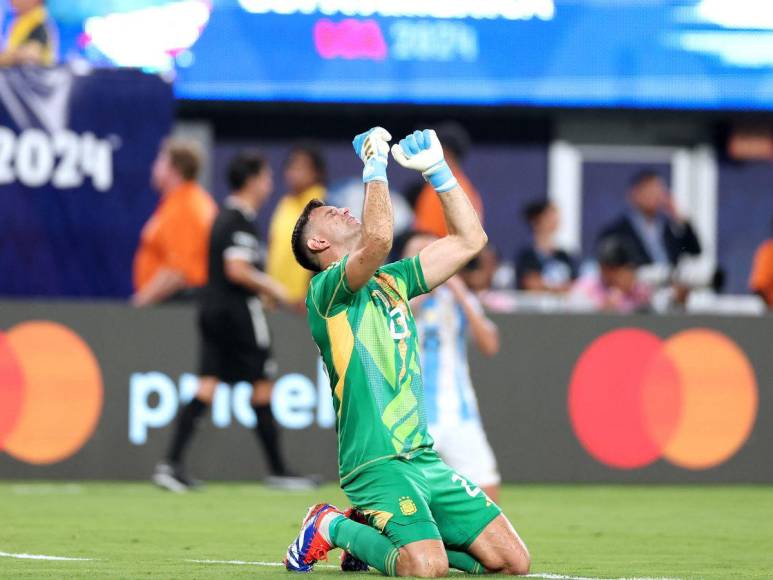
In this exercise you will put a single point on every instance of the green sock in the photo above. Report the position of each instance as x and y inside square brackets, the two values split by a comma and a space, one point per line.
[464, 562]
[365, 543]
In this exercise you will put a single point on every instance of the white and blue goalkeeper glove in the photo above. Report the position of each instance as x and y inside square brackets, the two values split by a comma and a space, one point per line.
[373, 148]
[422, 151]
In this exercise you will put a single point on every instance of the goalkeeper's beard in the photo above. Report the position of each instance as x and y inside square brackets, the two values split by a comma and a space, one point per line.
[348, 241]
[353, 239]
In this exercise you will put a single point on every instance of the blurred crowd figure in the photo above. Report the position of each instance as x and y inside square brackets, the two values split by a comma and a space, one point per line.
[171, 260]
[31, 37]
[635, 257]
[614, 286]
[304, 174]
[652, 227]
[638, 253]
[542, 266]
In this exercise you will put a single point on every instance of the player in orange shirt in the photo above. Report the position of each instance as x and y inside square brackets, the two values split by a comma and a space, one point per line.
[172, 255]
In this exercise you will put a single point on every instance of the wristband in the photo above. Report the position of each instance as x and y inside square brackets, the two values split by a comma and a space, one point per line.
[441, 177]
[374, 170]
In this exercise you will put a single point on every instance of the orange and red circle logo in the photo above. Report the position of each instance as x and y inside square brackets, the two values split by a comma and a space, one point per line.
[51, 395]
[690, 399]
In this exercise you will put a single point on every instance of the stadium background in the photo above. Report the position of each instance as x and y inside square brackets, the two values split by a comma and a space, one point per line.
[565, 100]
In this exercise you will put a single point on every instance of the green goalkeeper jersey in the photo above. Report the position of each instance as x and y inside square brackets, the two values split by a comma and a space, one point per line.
[370, 348]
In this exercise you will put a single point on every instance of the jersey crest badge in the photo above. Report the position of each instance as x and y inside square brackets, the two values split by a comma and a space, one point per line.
[407, 506]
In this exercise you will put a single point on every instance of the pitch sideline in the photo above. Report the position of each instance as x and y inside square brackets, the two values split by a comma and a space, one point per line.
[44, 557]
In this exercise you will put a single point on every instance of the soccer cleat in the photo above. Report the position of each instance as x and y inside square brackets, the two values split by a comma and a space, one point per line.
[166, 477]
[309, 547]
[349, 562]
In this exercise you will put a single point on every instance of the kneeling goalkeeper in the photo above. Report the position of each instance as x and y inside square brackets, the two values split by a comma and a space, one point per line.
[422, 516]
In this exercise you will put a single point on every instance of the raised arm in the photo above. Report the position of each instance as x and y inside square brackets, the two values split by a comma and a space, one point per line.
[445, 257]
[484, 332]
[377, 225]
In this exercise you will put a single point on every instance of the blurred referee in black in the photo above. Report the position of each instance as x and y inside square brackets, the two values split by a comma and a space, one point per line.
[235, 341]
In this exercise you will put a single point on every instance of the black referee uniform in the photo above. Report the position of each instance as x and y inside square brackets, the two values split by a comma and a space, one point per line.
[235, 342]
[235, 338]
[235, 345]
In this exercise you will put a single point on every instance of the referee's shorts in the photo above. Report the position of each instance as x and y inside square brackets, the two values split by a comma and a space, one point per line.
[235, 342]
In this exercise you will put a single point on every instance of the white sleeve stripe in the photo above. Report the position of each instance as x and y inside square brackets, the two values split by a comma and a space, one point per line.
[259, 324]
[244, 239]
[239, 253]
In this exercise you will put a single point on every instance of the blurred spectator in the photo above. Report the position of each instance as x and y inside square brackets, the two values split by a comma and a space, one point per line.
[614, 287]
[429, 211]
[172, 255]
[652, 228]
[31, 36]
[542, 266]
[761, 279]
[304, 174]
[478, 275]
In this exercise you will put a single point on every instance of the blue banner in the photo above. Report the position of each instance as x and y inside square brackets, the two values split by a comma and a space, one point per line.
[75, 155]
[706, 54]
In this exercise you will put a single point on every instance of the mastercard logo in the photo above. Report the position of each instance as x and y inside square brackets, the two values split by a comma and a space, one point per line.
[50, 392]
[635, 398]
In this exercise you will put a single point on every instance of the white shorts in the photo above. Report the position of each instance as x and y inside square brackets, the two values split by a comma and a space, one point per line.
[465, 448]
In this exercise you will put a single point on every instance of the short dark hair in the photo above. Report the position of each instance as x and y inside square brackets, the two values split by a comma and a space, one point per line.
[184, 155]
[311, 150]
[615, 252]
[643, 176]
[534, 209]
[242, 167]
[303, 255]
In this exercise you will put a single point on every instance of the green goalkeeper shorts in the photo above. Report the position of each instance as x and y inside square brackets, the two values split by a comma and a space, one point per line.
[421, 498]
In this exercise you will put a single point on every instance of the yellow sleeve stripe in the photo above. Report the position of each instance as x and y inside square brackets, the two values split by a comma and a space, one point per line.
[419, 275]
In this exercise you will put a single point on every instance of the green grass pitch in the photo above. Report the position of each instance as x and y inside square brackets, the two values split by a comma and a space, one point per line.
[133, 530]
